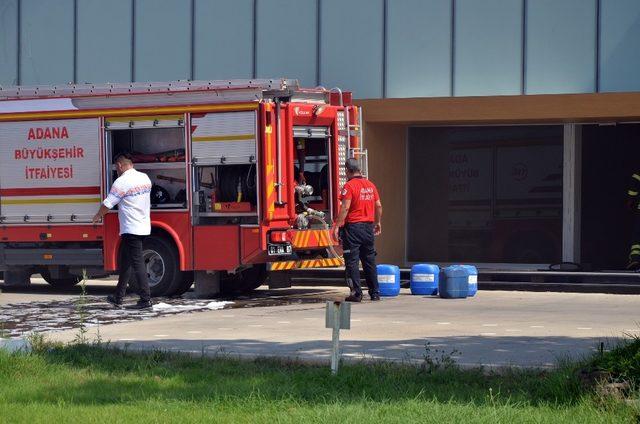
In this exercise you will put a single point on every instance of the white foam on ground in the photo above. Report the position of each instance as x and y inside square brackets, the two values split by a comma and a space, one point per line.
[218, 305]
[167, 308]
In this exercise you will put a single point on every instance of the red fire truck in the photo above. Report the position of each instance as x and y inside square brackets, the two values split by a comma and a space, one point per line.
[246, 176]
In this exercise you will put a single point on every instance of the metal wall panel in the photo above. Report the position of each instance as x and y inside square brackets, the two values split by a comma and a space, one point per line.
[418, 48]
[223, 42]
[351, 46]
[287, 50]
[162, 40]
[561, 46]
[488, 47]
[8, 42]
[104, 41]
[46, 52]
[619, 49]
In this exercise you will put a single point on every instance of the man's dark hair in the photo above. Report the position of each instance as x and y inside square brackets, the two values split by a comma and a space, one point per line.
[122, 157]
[352, 165]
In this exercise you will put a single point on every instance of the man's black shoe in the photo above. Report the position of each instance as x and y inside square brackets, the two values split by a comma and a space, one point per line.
[354, 298]
[114, 301]
[142, 304]
[375, 297]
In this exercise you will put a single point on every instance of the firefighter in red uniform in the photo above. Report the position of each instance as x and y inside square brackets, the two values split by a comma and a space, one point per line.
[357, 224]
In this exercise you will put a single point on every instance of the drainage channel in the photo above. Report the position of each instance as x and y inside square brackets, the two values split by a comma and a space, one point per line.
[611, 282]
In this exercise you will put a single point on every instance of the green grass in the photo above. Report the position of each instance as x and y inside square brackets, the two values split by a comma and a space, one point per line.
[83, 383]
[622, 362]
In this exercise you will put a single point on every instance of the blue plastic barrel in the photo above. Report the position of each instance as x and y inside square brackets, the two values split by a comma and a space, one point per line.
[389, 280]
[424, 279]
[472, 279]
[454, 282]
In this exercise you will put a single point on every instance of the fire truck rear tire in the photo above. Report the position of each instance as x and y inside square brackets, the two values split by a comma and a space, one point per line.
[244, 281]
[162, 261]
[69, 281]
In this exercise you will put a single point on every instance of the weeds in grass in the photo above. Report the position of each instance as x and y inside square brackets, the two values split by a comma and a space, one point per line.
[620, 364]
[37, 342]
[438, 359]
[81, 336]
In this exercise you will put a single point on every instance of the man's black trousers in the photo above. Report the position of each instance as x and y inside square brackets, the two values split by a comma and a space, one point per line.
[131, 262]
[358, 245]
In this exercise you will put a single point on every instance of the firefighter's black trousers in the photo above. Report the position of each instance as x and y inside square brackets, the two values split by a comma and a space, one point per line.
[358, 245]
[131, 261]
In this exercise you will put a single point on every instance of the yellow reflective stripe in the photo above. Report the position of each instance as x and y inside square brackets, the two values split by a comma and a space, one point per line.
[324, 238]
[22, 116]
[632, 193]
[228, 137]
[306, 263]
[636, 176]
[635, 246]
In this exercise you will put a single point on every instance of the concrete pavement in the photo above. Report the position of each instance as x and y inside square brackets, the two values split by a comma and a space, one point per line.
[493, 329]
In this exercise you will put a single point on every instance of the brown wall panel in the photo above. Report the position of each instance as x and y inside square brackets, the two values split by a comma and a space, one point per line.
[552, 108]
[387, 146]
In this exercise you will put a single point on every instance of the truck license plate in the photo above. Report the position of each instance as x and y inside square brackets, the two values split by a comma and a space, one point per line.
[279, 249]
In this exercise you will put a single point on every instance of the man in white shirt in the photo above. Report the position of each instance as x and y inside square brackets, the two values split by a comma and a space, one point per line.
[131, 191]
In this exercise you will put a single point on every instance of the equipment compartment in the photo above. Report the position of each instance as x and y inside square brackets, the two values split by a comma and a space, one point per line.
[224, 191]
[160, 153]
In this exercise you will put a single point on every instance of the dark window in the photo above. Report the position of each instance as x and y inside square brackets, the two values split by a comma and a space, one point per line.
[485, 194]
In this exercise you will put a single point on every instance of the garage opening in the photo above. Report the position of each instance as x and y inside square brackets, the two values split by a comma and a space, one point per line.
[610, 156]
[485, 194]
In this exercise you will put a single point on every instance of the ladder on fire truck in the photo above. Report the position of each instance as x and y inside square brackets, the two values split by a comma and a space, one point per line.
[268, 88]
[354, 130]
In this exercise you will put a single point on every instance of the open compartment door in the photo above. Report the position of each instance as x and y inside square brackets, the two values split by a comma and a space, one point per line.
[275, 174]
[225, 185]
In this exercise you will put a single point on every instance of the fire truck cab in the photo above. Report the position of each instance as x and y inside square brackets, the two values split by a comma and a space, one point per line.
[246, 176]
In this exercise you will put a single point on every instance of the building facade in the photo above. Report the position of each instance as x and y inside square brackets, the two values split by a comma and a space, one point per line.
[500, 132]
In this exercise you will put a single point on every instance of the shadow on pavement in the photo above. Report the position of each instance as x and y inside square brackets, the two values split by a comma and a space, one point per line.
[470, 351]
[97, 288]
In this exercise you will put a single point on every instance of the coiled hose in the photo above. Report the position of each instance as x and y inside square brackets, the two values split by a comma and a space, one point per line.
[233, 176]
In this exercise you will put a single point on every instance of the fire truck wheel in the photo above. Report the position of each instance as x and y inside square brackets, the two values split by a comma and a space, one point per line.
[161, 261]
[69, 281]
[244, 281]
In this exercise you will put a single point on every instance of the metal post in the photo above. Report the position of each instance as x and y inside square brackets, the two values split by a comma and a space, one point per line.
[335, 339]
[571, 196]
[361, 123]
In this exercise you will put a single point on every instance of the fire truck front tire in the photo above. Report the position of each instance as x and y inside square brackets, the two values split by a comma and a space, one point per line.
[62, 282]
[161, 262]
